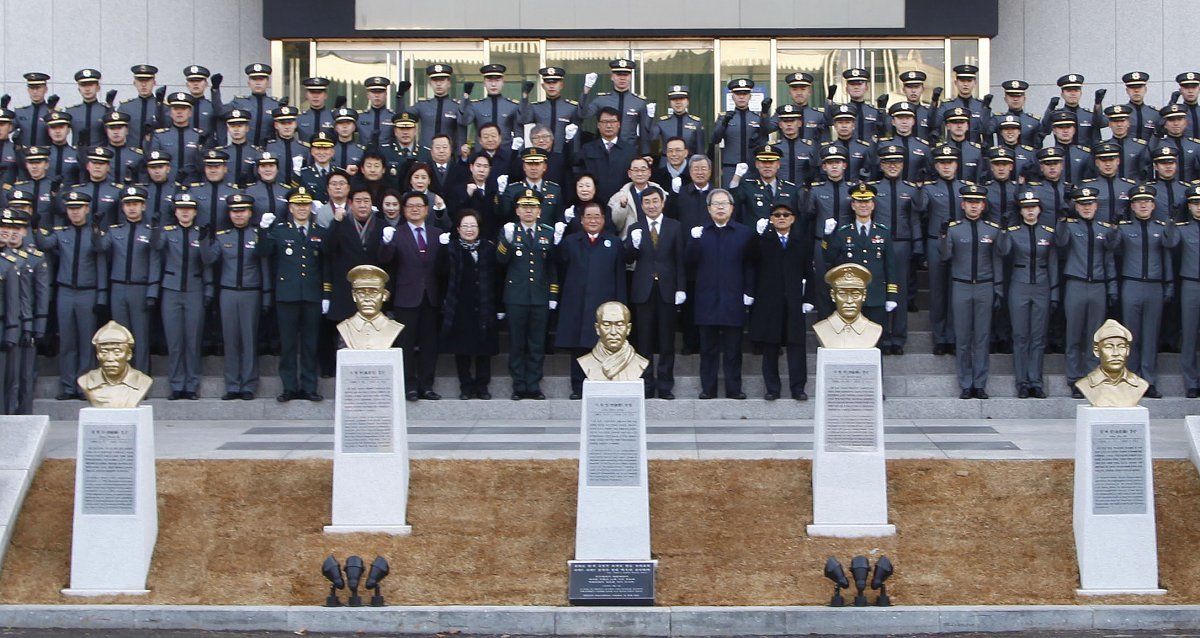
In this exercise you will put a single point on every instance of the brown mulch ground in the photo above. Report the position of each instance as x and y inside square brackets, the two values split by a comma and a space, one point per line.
[500, 532]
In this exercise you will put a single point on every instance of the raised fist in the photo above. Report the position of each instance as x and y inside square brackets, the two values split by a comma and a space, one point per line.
[510, 230]
[388, 233]
[760, 226]
[216, 80]
[266, 221]
[570, 130]
[444, 239]
[468, 88]
[635, 236]
[697, 232]
[589, 80]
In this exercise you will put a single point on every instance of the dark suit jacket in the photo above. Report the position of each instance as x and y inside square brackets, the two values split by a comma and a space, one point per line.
[689, 207]
[457, 176]
[781, 287]
[665, 261]
[724, 262]
[345, 251]
[593, 274]
[611, 168]
[416, 276]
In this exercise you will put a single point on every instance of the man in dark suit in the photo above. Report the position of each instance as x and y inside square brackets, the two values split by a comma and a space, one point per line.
[722, 253]
[777, 318]
[449, 174]
[607, 157]
[353, 241]
[655, 246]
[411, 252]
[690, 207]
[593, 264]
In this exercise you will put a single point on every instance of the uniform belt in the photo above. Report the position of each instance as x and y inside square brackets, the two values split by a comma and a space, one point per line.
[252, 288]
[972, 281]
[1087, 281]
[62, 285]
[1189, 278]
[1143, 279]
[131, 283]
[901, 239]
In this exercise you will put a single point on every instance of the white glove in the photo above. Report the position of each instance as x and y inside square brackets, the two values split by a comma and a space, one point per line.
[500, 316]
[266, 221]
[651, 108]
[680, 297]
[297, 163]
[636, 236]
[444, 239]
[559, 229]
[502, 183]
[570, 130]
[747, 300]
[388, 233]
[760, 226]
[830, 226]
[553, 305]
[697, 231]
[510, 229]
[676, 184]
[807, 308]
[324, 306]
[518, 143]
[741, 169]
[889, 306]
[569, 214]
[589, 80]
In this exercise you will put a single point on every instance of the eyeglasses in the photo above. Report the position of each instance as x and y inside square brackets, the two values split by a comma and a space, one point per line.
[721, 204]
[610, 121]
[781, 215]
[415, 205]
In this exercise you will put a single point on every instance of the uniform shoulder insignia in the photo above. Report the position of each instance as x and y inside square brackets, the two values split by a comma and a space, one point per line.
[138, 151]
[819, 109]
[694, 117]
[928, 182]
[162, 130]
[1183, 223]
[113, 225]
[991, 223]
[60, 228]
[1128, 181]
[815, 184]
[7, 187]
[545, 227]
[196, 185]
[10, 258]
[37, 252]
[975, 144]
[572, 102]
[1035, 117]
[169, 227]
[664, 117]
[1014, 228]
[1086, 149]
[1105, 224]
[22, 253]
[883, 226]
[787, 183]
[1139, 140]
[913, 184]
[1034, 183]
[603, 93]
[1048, 228]
[223, 232]
[199, 130]
[1071, 220]
[954, 223]
[1028, 148]
[1194, 139]
[552, 183]
[1160, 222]
[1123, 222]
[845, 227]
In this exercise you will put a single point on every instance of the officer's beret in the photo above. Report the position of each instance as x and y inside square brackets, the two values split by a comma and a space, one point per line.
[946, 153]
[1009, 121]
[1106, 149]
[1188, 78]
[740, 85]
[345, 114]
[799, 78]
[1027, 198]
[913, 77]
[83, 76]
[622, 65]
[767, 153]
[677, 90]
[957, 114]
[133, 194]
[1109, 329]
[196, 72]
[77, 198]
[966, 71]
[321, 139]
[1086, 194]
[864, 192]
[285, 113]
[972, 191]
[1050, 154]
[1141, 191]
[184, 200]
[1117, 112]
[57, 118]
[237, 116]
[1000, 154]
[892, 152]
[492, 70]
[36, 78]
[855, 75]
[1164, 153]
[1173, 110]
[833, 152]
[315, 84]
[902, 108]
[215, 156]
[144, 71]
[116, 118]
[551, 73]
[1015, 87]
[239, 200]
[258, 70]
[1135, 78]
[37, 153]
[299, 195]
[377, 83]
[789, 112]
[1070, 81]
[844, 112]
[434, 71]
[157, 158]
[179, 98]
[100, 154]
[533, 155]
[404, 120]
[1063, 118]
[848, 276]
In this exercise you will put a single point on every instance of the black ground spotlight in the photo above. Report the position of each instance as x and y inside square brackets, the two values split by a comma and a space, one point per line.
[379, 571]
[883, 569]
[859, 568]
[354, 572]
[333, 573]
[834, 572]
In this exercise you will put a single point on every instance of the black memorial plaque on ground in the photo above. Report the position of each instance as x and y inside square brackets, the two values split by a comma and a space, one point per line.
[622, 583]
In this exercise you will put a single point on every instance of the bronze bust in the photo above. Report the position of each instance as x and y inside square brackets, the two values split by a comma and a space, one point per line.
[1111, 384]
[369, 328]
[613, 358]
[114, 384]
[848, 327]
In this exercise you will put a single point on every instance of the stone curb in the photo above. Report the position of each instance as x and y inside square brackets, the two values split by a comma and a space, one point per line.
[608, 621]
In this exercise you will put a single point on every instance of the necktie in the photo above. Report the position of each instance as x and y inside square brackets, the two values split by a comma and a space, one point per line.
[421, 239]
[529, 235]
[441, 169]
[304, 231]
[607, 145]
[654, 233]
[862, 232]
[783, 240]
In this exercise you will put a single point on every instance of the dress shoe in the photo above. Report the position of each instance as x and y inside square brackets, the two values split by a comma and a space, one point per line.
[770, 396]
[285, 396]
[230, 396]
[939, 349]
[737, 395]
[705, 395]
[802, 396]
[315, 397]
[411, 395]
[192, 396]
[1076, 393]
[67, 396]
[516, 396]
[898, 350]
[537, 396]
[966, 394]
[1023, 393]
[464, 396]
[575, 396]
[483, 395]
[176, 395]
[912, 306]
[1153, 393]
[650, 393]
[247, 396]
[430, 395]
[666, 394]
[980, 393]
[1193, 393]
[1037, 393]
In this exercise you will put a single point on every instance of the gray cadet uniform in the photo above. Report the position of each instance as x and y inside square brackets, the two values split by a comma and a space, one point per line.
[287, 149]
[556, 113]
[1144, 118]
[126, 246]
[1189, 78]
[1029, 253]
[686, 126]
[916, 149]
[942, 205]
[30, 129]
[82, 286]
[13, 305]
[204, 113]
[440, 115]
[260, 106]
[741, 130]
[1135, 153]
[268, 197]
[814, 128]
[375, 123]
[183, 286]
[21, 369]
[980, 116]
[1144, 260]
[183, 143]
[1089, 123]
[977, 275]
[1089, 278]
[126, 162]
[1112, 192]
[349, 152]
[244, 280]
[898, 205]
[495, 109]
[1002, 205]
[1189, 297]
[143, 112]
[63, 158]
[209, 197]
[87, 118]
[827, 200]
[870, 122]
[315, 119]
[635, 122]
[1187, 149]
[799, 162]
[1031, 126]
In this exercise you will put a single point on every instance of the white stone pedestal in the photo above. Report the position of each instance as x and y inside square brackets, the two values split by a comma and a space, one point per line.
[1191, 425]
[22, 443]
[1115, 540]
[370, 444]
[849, 478]
[116, 514]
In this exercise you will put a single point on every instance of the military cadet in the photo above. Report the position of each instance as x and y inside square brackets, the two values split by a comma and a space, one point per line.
[860, 163]
[630, 107]
[8, 150]
[978, 113]
[440, 114]
[102, 193]
[289, 148]
[208, 195]
[182, 288]
[739, 129]
[1170, 191]
[904, 134]
[1189, 91]
[1145, 117]
[1077, 158]
[30, 129]
[898, 204]
[1052, 190]
[204, 114]
[913, 88]
[64, 158]
[1135, 154]
[87, 117]
[755, 198]
[15, 312]
[1174, 125]
[35, 296]
[375, 121]
[402, 149]
[556, 112]
[243, 278]
[142, 111]
[828, 208]
[126, 159]
[799, 162]
[1089, 281]
[1001, 187]
[20, 198]
[1008, 133]
[37, 183]
[81, 289]
[1113, 190]
[550, 195]
[302, 288]
[159, 187]
[259, 104]
[1029, 125]
[812, 126]
[1143, 255]
[183, 142]
[526, 250]
[942, 198]
[1088, 123]
[977, 272]
[127, 247]
[1188, 272]
[317, 117]
[868, 243]
[869, 121]
[493, 106]
[239, 151]
[971, 163]
[679, 122]
[347, 152]
[1028, 246]
[267, 194]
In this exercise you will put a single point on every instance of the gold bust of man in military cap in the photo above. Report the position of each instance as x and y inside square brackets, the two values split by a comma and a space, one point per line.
[114, 384]
[1111, 384]
[613, 358]
[369, 328]
[848, 327]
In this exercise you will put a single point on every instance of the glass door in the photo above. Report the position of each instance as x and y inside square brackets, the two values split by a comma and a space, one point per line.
[464, 57]
[348, 64]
